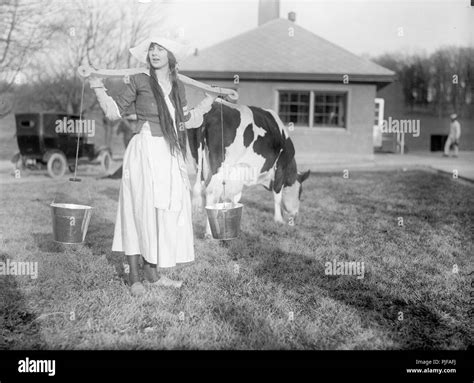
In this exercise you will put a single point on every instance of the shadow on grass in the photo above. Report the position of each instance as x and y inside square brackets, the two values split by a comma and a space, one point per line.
[258, 206]
[199, 223]
[99, 241]
[253, 331]
[44, 242]
[18, 328]
[421, 328]
[112, 193]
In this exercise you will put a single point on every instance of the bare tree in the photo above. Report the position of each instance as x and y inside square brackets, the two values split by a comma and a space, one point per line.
[441, 83]
[24, 30]
[100, 34]
[89, 32]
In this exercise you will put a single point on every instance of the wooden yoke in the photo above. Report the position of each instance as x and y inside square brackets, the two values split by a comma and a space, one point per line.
[86, 71]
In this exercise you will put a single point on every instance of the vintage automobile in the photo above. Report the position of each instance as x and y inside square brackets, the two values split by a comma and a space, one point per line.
[50, 140]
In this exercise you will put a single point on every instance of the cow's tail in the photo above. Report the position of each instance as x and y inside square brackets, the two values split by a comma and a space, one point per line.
[197, 188]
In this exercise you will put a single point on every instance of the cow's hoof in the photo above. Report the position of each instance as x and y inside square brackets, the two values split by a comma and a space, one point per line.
[207, 236]
[279, 221]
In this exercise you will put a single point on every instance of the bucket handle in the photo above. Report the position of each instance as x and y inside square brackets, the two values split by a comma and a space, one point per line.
[75, 179]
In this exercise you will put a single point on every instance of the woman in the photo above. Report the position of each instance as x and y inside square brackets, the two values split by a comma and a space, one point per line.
[154, 214]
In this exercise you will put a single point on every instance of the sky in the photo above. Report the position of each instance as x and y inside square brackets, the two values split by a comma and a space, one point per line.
[363, 27]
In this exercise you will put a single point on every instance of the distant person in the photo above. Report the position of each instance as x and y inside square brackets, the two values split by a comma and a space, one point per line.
[453, 137]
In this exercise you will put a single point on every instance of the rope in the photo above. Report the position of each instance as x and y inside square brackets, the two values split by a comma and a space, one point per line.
[223, 164]
[223, 153]
[75, 179]
[79, 134]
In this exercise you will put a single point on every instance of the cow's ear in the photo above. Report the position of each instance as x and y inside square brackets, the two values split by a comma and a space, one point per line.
[302, 176]
[284, 160]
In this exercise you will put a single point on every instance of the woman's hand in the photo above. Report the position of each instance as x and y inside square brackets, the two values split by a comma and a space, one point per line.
[197, 113]
[207, 102]
[96, 82]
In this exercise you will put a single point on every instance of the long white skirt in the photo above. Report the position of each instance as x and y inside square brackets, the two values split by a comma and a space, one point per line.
[154, 216]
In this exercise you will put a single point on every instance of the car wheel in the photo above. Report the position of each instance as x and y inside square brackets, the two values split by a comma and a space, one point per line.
[57, 165]
[105, 161]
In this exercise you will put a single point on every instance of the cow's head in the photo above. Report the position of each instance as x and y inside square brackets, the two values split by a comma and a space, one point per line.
[291, 197]
[289, 182]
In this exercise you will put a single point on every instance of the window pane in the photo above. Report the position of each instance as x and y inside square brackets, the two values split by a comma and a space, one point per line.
[294, 107]
[329, 109]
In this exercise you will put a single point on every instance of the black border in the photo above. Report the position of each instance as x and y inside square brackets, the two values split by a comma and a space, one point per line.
[352, 365]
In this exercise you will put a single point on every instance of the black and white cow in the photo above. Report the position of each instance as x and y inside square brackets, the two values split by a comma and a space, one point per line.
[258, 150]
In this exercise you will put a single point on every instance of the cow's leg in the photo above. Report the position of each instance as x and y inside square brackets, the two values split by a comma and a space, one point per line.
[277, 202]
[197, 196]
[197, 188]
[211, 199]
[208, 234]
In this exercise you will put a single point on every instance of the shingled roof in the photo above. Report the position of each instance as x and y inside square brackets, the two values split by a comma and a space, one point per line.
[269, 52]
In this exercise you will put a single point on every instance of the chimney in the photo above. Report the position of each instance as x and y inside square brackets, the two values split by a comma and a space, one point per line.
[292, 16]
[268, 10]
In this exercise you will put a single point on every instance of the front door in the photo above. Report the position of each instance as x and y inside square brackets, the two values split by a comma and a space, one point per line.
[378, 121]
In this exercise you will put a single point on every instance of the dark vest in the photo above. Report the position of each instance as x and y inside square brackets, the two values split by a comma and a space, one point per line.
[139, 91]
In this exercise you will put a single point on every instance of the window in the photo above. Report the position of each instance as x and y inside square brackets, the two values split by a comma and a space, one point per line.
[313, 108]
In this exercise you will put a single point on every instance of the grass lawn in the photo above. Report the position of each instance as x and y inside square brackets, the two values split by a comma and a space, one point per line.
[242, 295]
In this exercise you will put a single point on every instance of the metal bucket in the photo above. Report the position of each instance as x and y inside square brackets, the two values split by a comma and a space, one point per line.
[224, 219]
[70, 222]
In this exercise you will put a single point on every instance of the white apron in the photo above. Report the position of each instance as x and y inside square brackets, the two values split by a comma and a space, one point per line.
[154, 216]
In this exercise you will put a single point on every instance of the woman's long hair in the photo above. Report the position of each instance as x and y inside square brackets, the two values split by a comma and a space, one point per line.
[175, 143]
